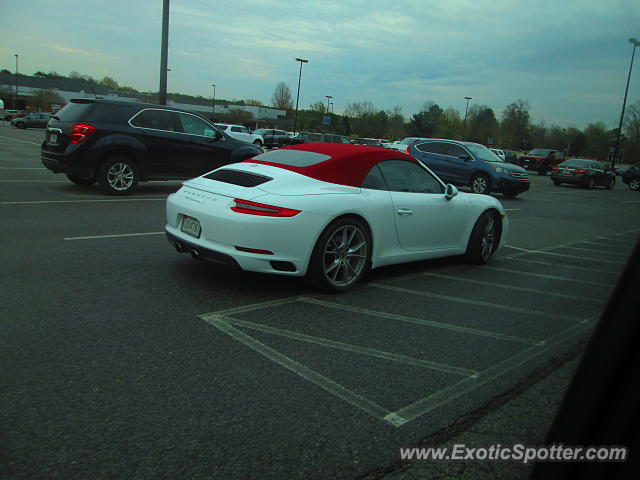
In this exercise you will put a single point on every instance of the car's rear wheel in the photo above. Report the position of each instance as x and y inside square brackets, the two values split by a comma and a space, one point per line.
[484, 239]
[480, 184]
[611, 184]
[634, 184]
[21, 125]
[557, 183]
[258, 143]
[118, 176]
[341, 256]
[591, 183]
[81, 181]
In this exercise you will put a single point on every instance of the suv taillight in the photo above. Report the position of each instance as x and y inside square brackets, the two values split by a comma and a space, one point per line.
[80, 132]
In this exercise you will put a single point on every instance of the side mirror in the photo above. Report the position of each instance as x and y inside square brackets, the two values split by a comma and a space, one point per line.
[450, 191]
[464, 156]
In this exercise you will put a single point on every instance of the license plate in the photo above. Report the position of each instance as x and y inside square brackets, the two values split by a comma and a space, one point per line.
[566, 171]
[53, 138]
[190, 226]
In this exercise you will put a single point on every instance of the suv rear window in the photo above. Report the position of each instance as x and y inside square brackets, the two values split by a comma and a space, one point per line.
[105, 113]
[74, 112]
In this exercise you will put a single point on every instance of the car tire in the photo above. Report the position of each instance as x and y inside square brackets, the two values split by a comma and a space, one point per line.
[118, 176]
[484, 239]
[21, 125]
[258, 143]
[509, 195]
[341, 256]
[81, 181]
[557, 183]
[480, 183]
[590, 184]
[634, 184]
[543, 171]
[611, 184]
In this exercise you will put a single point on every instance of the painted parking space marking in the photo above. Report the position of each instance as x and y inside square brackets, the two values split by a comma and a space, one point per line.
[120, 235]
[604, 252]
[22, 168]
[109, 200]
[545, 252]
[21, 141]
[562, 265]
[511, 287]
[33, 181]
[542, 275]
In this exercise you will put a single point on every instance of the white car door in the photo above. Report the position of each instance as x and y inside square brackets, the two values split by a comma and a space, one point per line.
[241, 133]
[425, 219]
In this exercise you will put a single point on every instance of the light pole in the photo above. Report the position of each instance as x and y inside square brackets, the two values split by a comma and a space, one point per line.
[15, 97]
[164, 53]
[464, 124]
[213, 105]
[331, 107]
[634, 41]
[328, 97]
[295, 120]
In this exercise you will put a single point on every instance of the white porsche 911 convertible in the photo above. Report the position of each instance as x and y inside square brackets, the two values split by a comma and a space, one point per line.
[330, 212]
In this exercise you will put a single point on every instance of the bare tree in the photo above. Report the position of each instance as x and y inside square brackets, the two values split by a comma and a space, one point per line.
[281, 97]
[318, 106]
[43, 99]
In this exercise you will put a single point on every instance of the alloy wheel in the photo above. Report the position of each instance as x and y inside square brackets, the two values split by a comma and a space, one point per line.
[479, 184]
[634, 184]
[488, 238]
[345, 255]
[120, 176]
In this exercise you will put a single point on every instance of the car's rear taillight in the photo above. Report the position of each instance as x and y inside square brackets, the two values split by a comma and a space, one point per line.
[80, 132]
[253, 208]
[555, 168]
[579, 170]
[408, 149]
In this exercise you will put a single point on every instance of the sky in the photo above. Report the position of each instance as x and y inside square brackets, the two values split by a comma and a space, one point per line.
[568, 58]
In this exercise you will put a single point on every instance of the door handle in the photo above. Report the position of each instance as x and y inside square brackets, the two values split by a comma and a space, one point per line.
[404, 211]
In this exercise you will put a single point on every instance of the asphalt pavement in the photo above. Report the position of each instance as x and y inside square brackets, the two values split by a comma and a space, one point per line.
[124, 359]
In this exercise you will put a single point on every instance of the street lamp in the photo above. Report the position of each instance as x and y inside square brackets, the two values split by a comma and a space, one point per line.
[15, 97]
[328, 97]
[295, 121]
[464, 124]
[331, 107]
[213, 105]
[634, 41]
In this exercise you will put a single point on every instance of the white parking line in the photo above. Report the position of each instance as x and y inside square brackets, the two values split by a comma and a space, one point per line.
[542, 275]
[23, 141]
[479, 303]
[512, 209]
[571, 267]
[303, 371]
[37, 202]
[632, 201]
[115, 236]
[420, 321]
[446, 395]
[512, 287]
[352, 348]
[622, 240]
[33, 181]
[22, 168]
[604, 252]
[544, 252]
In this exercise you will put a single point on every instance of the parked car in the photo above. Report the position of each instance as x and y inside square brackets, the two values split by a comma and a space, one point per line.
[241, 133]
[119, 144]
[11, 114]
[631, 177]
[275, 138]
[32, 120]
[499, 153]
[322, 138]
[619, 171]
[541, 160]
[471, 164]
[372, 142]
[584, 173]
[511, 157]
[330, 213]
[403, 145]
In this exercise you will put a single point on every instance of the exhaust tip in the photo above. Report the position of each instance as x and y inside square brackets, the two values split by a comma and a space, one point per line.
[195, 255]
[179, 247]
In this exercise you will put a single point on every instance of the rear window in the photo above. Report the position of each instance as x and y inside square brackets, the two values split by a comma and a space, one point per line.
[292, 158]
[576, 163]
[74, 112]
[235, 177]
[105, 113]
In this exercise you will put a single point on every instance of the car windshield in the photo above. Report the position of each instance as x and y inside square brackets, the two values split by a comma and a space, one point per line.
[538, 152]
[480, 152]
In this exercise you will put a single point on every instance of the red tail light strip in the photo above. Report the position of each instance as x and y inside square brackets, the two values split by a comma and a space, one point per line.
[80, 132]
[253, 208]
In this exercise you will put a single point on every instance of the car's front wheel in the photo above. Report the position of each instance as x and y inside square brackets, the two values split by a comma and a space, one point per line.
[257, 143]
[484, 239]
[557, 183]
[81, 181]
[118, 176]
[341, 256]
[591, 183]
[611, 184]
[480, 184]
[634, 184]
[21, 125]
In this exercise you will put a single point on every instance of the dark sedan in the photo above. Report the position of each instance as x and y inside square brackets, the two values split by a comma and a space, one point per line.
[631, 177]
[584, 173]
[33, 120]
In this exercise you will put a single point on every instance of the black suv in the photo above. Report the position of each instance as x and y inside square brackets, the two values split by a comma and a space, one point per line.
[119, 144]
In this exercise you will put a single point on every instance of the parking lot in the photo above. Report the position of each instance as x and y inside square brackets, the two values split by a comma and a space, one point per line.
[124, 359]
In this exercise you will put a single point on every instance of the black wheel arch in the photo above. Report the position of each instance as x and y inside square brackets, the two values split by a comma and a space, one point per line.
[339, 217]
[121, 152]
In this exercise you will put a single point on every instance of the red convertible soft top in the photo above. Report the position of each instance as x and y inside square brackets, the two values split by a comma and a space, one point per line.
[339, 163]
